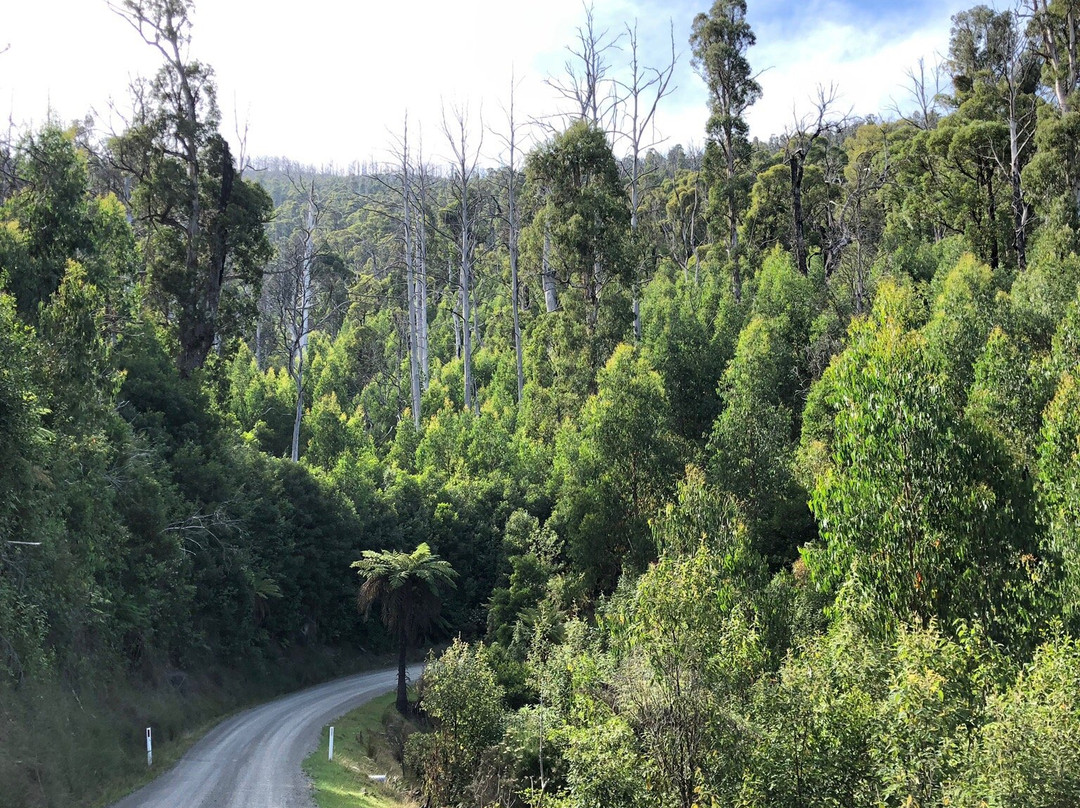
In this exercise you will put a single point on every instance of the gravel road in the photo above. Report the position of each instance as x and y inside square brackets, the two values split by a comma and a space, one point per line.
[252, 760]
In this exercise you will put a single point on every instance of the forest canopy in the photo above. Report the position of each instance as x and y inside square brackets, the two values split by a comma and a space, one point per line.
[757, 464]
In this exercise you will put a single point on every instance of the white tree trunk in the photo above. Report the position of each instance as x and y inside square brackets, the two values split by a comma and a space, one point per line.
[421, 302]
[305, 319]
[515, 286]
[454, 309]
[466, 313]
[515, 228]
[465, 165]
[421, 270]
[551, 296]
[410, 282]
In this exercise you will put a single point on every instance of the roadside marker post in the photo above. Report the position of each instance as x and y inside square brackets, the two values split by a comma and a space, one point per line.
[149, 749]
[331, 743]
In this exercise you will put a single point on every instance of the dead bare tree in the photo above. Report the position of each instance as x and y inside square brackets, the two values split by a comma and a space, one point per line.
[422, 189]
[643, 91]
[302, 318]
[585, 80]
[513, 227]
[466, 157]
[925, 89]
[410, 275]
[1018, 68]
[798, 144]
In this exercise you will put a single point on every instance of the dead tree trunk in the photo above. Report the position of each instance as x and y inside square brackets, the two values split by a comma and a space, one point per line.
[304, 326]
[465, 158]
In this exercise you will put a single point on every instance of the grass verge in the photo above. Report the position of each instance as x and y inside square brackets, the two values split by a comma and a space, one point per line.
[361, 749]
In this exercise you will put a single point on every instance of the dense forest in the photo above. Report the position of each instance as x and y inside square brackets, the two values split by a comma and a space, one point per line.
[758, 466]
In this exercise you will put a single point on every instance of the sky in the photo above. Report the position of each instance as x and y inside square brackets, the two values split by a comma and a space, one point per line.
[330, 82]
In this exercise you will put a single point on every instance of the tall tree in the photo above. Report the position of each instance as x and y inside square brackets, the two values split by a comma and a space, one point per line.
[1057, 25]
[922, 513]
[203, 222]
[49, 210]
[412, 287]
[720, 40]
[585, 82]
[513, 226]
[464, 172]
[800, 142]
[409, 589]
[645, 89]
[995, 75]
[301, 320]
[584, 211]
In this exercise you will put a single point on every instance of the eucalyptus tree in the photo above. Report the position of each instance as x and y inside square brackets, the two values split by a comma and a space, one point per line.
[800, 140]
[513, 229]
[466, 156]
[720, 40]
[408, 588]
[301, 319]
[995, 74]
[421, 217]
[644, 89]
[1057, 25]
[583, 211]
[586, 83]
[49, 201]
[411, 285]
[944, 527]
[203, 223]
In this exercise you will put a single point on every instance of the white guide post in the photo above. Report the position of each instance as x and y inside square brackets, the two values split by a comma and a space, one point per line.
[149, 749]
[331, 743]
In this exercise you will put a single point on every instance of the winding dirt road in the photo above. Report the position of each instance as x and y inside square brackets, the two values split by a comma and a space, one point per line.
[252, 760]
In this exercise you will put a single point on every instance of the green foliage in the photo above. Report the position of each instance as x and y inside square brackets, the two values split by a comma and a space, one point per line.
[1059, 476]
[656, 639]
[203, 223]
[407, 586]
[49, 214]
[463, 700]
[922, 512]
[512, 613]
[1008, 395]
[687, 349]
[750, 447]
[814, 727]
[614, 467]
[963, 312]
[936, 696]
[575, 183]
[1027, 755]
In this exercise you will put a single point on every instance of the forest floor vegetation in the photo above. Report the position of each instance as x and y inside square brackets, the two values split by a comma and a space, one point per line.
[367, 741]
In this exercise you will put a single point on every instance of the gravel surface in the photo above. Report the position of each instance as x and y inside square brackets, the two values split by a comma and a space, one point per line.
[252, 760]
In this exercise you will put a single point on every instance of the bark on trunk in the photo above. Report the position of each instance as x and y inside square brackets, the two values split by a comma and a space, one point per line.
[732, 216]
[798, 220]
[991, 213]
[305, 321]
[514, 238]
[515, 298]
[1019, 208]
[421, 305]
[466, 312]
[410, 283]
[733, 246]
[551, 296]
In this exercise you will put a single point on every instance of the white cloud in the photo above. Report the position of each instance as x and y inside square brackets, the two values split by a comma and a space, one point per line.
[867, 64]
[325, 80]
